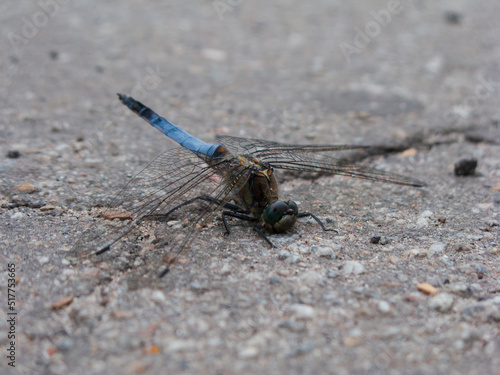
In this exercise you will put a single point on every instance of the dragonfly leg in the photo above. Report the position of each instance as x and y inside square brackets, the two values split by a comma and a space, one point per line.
[237, 215]
[262, 234]
[164, 272]
[244, 217]
[306, 214]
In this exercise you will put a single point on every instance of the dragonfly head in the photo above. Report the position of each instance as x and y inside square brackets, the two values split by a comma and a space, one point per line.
[280, 215]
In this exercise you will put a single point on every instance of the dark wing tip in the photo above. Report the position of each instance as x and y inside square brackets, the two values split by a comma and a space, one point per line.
[419, 184]
[122, 97]
[164, 272]
[103, 250]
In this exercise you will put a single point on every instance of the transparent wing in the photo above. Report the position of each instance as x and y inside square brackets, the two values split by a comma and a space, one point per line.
[325, 164]
[262, 149]
[175, 177]
[308, 158]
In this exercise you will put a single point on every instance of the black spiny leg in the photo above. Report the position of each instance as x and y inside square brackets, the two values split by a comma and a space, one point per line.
[238, 215]
[262, 234]
[236, 211]
[247, 218]
[305, 214]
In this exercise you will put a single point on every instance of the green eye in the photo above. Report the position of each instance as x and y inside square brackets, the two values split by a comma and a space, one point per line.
[280, 215]
[274, 212]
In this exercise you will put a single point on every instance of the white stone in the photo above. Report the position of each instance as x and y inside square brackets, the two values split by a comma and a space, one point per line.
[43, 259]
[301, 311]
[158, 296]
[437, 247]
[353, 268]
[442, 302]
[384, 306]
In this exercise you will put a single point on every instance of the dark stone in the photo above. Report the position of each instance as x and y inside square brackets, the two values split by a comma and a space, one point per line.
[13, 154]
[465, 167]
[453, 17]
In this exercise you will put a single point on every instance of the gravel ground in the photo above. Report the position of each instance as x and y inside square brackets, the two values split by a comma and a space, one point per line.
[420, 79]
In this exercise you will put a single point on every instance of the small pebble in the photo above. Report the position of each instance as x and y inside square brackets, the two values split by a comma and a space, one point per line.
[453, 17]
[93, 163]
[283, 273]
[17, 216]
[288, 257]
[284, 254]
[476, 237]
[461, 290]
[301, 349]
[353, 268]
[311, 279]
[427, 288]
[275, 280]
[225, 269]
[121, 315]
[413, 151]
[65, 345]
[292, 325]
[393, 259]
[465, 167]
[325, 252]
[158, 296]
[422, 222]
[492, 223]
[59, 304]
[375, 239]
[301, 311]
[384, 240]
[481, 270]
[248, 352]
[214, 54]
[197, 287]
[13, 154]
[474, 309]
[442, 302]
[384, 306]
[168, 258]
[48, 207]
[353, 338]
[43, 259]
[332, 274]
[462, 247]
[26, 188]
[423, 218]
[115, 214]
[474, 137]
[494, 315]
[437, 247]
[427, 214]
[418, 253]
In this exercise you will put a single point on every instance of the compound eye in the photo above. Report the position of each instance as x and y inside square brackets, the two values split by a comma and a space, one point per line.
[293, 206]
[281, 216]
[274, 212]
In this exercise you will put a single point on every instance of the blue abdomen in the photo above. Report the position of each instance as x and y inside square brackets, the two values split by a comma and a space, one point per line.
[170, 130]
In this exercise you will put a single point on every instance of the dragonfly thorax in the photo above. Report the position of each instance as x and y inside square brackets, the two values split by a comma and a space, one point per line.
[260, 190]
[280, 216]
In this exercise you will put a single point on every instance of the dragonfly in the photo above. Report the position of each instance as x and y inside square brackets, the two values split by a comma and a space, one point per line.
[233, 177]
